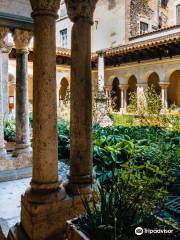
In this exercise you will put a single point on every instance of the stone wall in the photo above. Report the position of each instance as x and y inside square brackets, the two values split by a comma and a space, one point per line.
[139, 8]
[17, 7]
[149, 12]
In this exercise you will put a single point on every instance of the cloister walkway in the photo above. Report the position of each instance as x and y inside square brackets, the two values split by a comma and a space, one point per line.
[10, 192]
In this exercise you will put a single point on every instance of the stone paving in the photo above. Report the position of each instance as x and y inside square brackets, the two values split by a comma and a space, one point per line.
[10, 195]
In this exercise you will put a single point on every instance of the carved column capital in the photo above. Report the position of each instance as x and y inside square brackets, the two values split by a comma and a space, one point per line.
[3, 32]
[81, 9]
[49, 7]
[22, 39]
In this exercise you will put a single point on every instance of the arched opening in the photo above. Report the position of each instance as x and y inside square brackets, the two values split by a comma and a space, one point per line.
[153, 82]
[173, 91]
[132, 87]
[30, 91]
[115, 95]
[63, 90]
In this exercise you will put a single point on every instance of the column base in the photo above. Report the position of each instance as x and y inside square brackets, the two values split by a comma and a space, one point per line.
[3, 154]
[123, 111]
[164, 111]
[40, 221]
[77, 189]
[21, 149]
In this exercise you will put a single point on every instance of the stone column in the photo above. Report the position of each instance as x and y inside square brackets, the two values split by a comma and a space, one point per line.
[21, 40]
[101, 71]
[3, 33]
[141, 98]
[5, 58]
[42, 215]
[80, 175]
[123, 88]
[108, 89]
[164, 87]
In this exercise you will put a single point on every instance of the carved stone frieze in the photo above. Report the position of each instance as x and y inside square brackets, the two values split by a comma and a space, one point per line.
[22, 38]
[80, 9]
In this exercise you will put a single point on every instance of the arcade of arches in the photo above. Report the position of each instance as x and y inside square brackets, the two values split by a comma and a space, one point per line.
[164, 80]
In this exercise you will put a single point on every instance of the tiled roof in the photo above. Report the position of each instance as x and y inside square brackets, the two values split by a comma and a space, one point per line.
[141, 45]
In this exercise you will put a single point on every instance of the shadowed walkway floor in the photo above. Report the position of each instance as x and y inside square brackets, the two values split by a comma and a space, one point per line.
[10, 196]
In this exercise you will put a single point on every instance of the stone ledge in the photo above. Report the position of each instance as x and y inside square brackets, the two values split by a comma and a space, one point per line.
[11, 163]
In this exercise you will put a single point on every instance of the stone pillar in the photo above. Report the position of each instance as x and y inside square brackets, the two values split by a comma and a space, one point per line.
[108, 89]
[101, 71]
[141, 98]
[5, 58]
[42, 213]
[80, 176]
[3, 33]
[21, 40]
[164, 87]
[123, 88]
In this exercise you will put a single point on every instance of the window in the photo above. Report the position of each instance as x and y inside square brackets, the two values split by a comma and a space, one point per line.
[178, 14]
[63, 38]
[143, 27]
[63, 10]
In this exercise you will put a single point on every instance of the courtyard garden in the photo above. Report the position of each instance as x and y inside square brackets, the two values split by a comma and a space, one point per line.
[137, 168]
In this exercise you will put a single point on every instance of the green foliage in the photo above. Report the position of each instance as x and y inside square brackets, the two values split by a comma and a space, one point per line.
[10, 130]
[114, 146]
[63, 139]
[129, 201]
[146, 103]
[31, 119]
[125, 120]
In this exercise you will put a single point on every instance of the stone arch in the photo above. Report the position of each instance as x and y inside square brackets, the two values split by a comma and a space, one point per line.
[132, 87]
[153, 81]
[115, 95]
[111, 79]
[173, 91]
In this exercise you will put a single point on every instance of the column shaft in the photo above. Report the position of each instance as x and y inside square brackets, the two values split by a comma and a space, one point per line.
[5, 57]
[2, 146]
[122, 98]
[22, 121]
[45, 160]
[101, 72]
[81, 108]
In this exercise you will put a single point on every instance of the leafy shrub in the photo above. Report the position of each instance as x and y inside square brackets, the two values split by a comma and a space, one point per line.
[149, 102]
[113, 146]
[130, 201]
[63, 139]
[10, 130]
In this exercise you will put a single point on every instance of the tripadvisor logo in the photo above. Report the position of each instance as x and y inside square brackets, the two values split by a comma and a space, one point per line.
[139, 231]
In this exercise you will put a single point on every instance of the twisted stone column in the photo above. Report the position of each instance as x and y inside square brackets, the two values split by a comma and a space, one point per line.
[123, 88]
[22, 39]
[3, 33]
[81, 163]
